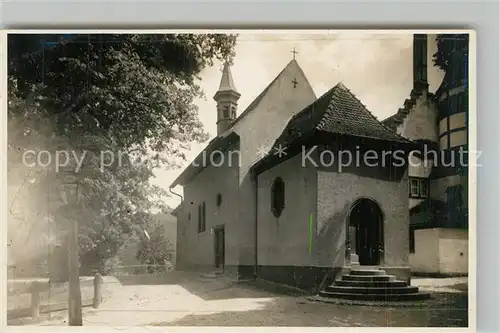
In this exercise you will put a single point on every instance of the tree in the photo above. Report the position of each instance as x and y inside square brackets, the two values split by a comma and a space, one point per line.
[155, 249]
[136, 90]
[130, 97]
[452, 50]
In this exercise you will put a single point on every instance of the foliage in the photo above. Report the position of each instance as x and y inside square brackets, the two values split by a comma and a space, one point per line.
[123, 99]
[449, 45]
[135, 90]
[155, 250]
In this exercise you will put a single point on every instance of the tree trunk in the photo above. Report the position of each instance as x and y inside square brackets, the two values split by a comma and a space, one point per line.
[74, 295]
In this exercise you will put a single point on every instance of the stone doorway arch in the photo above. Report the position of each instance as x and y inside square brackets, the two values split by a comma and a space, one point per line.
[365, 236]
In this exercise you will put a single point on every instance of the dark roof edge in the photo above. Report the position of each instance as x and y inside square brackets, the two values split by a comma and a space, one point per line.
[192, 170]
[258, 167]
[176, 210]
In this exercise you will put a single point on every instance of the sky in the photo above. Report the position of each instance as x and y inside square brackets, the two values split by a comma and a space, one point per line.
[377, 68]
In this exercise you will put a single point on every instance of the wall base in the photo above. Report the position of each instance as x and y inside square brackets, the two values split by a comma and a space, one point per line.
[438, 275]
[308, 278]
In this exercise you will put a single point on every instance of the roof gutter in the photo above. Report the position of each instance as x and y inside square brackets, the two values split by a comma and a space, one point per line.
[171, 189]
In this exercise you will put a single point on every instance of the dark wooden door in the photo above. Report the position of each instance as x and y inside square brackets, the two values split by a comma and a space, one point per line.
[369, 239]
[367, 220]
[219, 247]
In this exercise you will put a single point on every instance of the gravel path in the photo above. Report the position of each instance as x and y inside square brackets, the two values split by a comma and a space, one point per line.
[188, 299]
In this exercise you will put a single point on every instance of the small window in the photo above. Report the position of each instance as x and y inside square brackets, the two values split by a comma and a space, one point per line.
[204, 217]
[219, 200]
[412, 240]
[199, 218]
[419, 188]
[216, 158]
[278, 197]
[225, 112]
[424, 188]
[202, 223]
[189, 216]
[233, 112]
[414, 187]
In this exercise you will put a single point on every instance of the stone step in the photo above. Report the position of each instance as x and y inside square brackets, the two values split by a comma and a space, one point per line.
[366, 267]
[213, 274]
[367, 272]
[368, 278]
[376, 297]
[372, 290]
[375, 284]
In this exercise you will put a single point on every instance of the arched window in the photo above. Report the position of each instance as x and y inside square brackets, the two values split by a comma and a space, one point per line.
[219, 200]
[277, 197]
[225, 112]
[233, 112]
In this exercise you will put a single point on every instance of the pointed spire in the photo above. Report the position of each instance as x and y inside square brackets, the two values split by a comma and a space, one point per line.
[226, 82]
[227, 100]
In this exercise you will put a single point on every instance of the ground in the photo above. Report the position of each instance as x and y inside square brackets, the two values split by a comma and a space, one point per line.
[53, 296]
[191, 299]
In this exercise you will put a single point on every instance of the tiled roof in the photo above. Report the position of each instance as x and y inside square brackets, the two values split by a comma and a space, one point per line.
[395, 120]
[429, 206]
[398, 118]
[338, 111]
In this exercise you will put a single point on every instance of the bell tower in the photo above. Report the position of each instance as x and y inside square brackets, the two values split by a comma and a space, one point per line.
[227, 101]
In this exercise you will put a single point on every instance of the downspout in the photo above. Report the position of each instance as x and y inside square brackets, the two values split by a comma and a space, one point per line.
[171, 189]
[177, 219]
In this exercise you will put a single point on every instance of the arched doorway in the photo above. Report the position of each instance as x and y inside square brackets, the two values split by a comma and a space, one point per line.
[366, 231]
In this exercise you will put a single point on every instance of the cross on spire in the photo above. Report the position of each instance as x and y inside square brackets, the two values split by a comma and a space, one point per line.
[294, 81]
[294, 53]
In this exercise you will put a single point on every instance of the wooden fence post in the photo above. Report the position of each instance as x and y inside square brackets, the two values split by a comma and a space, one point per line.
[97, 289]
[35, 300]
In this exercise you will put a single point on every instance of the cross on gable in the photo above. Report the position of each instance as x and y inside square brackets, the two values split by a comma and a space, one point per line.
[294, 53]
[295, 82]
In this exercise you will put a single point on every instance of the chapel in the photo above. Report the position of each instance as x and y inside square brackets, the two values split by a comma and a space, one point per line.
[272, 197]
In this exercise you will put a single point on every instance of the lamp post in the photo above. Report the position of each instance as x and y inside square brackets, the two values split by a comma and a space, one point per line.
[70, 193]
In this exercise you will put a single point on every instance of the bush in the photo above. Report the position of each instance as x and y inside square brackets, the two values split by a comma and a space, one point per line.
[156, 251]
